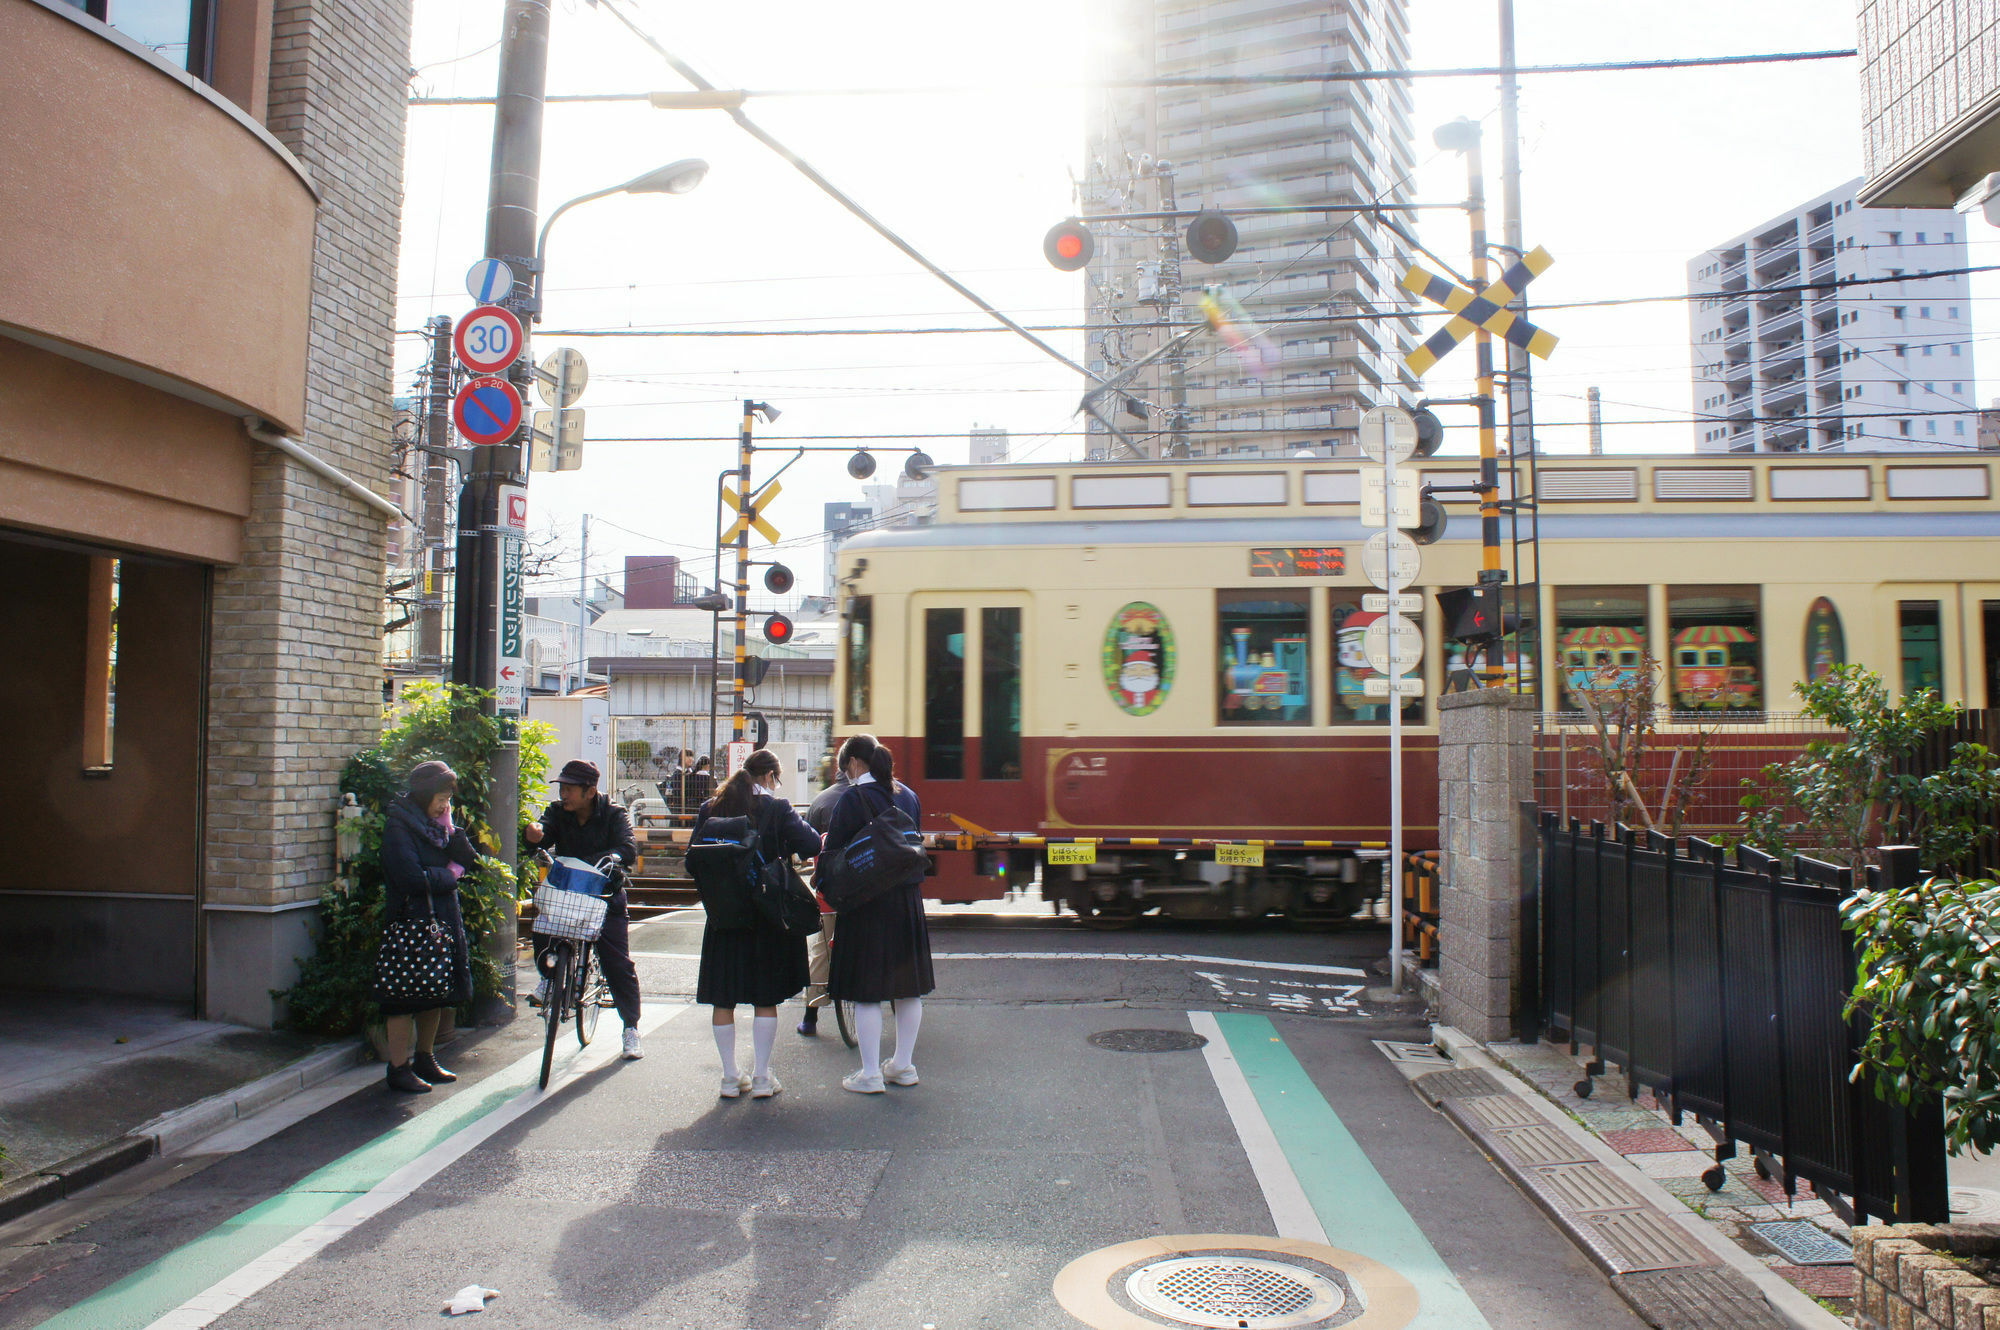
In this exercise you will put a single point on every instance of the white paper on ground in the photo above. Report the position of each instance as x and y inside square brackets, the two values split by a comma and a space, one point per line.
[469, 1299]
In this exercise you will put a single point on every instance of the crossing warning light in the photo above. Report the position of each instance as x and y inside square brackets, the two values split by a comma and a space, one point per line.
[1430, 431]
[758, 729]
[1211, 237]
[1430, 522]
[778, 629]
[1068, 245]
[754, 670]
[1473, 614]
[778, 579]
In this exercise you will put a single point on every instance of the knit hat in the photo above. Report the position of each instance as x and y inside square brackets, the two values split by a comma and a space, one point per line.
[428, 778]
[578, 772]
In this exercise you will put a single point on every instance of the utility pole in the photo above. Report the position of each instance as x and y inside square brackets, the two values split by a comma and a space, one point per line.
[437, 475]
[1520, 403]
[1170, 283]
[583, 612]
[1490, 572]
[743, 449]
[511, 201]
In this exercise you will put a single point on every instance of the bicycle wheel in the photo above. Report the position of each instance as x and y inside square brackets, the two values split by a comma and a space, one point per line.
[843, 1016]
[557, 1006]
[586, 988]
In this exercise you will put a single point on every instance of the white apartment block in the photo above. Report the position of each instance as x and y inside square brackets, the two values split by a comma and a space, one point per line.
[1301, 277]
[1880, 367]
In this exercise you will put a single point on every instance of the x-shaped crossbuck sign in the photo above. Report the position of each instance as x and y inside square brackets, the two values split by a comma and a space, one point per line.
[751, 516]
[1486, 310]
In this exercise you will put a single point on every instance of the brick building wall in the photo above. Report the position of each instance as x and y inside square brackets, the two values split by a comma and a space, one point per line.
[296, 628]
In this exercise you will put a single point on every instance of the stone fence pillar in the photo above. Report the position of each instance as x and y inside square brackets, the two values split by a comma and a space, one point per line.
[1486, 768]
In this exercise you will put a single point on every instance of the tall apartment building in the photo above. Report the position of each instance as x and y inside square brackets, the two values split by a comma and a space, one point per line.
[1884, 366]
[1299, 276]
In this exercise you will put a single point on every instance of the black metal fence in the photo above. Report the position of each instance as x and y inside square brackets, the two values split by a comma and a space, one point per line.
[1721, 984]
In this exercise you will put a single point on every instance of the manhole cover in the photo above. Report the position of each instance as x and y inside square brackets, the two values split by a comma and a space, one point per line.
[1234, 1291]
[1804, 1243]
[1147, 1041]
[1975, 1205]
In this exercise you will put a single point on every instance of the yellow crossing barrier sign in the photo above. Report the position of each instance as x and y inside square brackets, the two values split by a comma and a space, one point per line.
[1486, 310]
[752, 515]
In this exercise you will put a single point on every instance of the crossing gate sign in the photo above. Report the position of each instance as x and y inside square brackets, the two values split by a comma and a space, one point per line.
[487, 411]
[1487, 310]
[487, 340]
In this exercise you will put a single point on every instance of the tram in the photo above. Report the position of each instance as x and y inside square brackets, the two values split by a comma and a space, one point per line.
[1169, 650]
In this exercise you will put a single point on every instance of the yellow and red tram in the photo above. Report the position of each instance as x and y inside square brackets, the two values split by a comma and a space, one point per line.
[1152, 649]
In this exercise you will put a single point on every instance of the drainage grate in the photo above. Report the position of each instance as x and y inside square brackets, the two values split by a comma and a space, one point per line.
[1804, 1243]
[1147, 1041]
[1234, 1291]
[1408, 1054]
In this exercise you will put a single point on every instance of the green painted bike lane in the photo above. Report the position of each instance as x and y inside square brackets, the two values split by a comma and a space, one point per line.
[1355, 1206]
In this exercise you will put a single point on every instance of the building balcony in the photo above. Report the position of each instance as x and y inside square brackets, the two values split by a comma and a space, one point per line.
[154, 231]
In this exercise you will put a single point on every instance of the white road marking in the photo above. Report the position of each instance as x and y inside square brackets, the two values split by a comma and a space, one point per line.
[1328, 997]
[248, 1280]
[1291, 1213]
[1298, 967]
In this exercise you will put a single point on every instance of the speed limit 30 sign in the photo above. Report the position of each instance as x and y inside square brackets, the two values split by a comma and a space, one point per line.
[487, 340]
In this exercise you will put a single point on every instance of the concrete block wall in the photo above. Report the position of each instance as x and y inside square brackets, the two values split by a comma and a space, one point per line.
[1485, 770]
[296, 628]
[1921, 1277]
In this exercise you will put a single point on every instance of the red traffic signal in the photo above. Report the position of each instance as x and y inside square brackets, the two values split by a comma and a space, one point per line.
[1068, 245]
[778, 579]
[1211, 237]
[778, 629]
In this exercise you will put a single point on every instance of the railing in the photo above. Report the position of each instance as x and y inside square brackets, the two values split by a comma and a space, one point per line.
[1420, 905]
[1721, 985]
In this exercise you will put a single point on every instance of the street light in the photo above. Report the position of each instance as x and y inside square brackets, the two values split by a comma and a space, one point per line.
[679, 177]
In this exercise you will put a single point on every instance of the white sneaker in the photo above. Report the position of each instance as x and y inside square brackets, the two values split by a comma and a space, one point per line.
[896, 1075]
[861, 1083]
[763, 1087]
[733, 1084]
[632, 1050]
[540, 997]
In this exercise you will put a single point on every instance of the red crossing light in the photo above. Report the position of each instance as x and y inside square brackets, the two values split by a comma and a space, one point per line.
[778, 629]
[1068, 245]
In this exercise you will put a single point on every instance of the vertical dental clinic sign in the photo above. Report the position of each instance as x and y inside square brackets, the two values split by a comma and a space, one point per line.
[511, 664]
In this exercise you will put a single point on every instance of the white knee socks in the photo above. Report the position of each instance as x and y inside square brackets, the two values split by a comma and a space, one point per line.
[868, 1034]
[909, 1015]
[725, 1044]
[763, 1033]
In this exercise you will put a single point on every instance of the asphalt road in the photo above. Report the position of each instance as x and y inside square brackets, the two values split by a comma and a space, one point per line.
[632, 1196]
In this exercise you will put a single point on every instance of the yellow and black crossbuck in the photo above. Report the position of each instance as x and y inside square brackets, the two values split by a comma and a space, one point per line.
[1486, 310]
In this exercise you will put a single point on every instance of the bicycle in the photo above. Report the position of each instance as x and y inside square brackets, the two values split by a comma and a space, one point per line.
[577, 988]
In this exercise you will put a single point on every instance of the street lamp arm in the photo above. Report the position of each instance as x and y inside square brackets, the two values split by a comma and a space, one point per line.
[542, 240]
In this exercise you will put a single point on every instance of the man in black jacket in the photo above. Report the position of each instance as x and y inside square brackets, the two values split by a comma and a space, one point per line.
[583, 824]
[818, 947]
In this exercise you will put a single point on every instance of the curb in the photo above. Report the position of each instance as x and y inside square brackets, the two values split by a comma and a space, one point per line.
[173, 1131]
[1788, 1303]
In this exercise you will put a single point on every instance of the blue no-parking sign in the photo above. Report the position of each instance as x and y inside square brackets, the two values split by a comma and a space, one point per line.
[487, 411]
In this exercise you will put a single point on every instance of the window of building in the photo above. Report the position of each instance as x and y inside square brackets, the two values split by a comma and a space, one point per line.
[1351, 670]
[859, 630]
[1927, 350]
[1923, 649]
[1898, 311]
[1958, 388]
[1895, 237]
[1958, 427]
[1951, 311]
[1923, 311]
[1920, 238]
[1265, 668]
[100, 665]
[1000, 693]
[1600, 640]
[1903, 428]
[944, 694]
[182, 32]
[1717, 662]
[1930, 427]
[1930, 388]
[1902, 350]
[1948, 237]
[1956, 349]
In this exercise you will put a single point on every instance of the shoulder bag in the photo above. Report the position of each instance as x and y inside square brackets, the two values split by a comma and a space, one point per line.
[884, 854]
[724, 866]
[416, 961]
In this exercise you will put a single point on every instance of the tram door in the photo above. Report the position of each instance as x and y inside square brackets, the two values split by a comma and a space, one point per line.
[970, 653]
[1980, 613]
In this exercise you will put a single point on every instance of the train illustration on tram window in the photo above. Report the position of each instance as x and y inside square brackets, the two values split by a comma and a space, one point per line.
[1154, 671]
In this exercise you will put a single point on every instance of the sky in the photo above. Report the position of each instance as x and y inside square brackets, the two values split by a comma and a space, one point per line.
[1625, 177]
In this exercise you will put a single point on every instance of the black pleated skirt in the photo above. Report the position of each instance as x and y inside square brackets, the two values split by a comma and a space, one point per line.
[751, 967]
[882, 951]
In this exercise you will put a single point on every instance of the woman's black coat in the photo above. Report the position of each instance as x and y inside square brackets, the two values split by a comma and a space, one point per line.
[418, 884]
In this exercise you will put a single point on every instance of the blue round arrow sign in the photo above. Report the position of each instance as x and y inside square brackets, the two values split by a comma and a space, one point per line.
[487, 411]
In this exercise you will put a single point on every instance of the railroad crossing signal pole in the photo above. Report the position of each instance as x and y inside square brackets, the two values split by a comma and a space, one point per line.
[744, 447]
[1490, 572]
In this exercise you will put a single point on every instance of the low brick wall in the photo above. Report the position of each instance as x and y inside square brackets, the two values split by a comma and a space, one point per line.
[1922, 1277]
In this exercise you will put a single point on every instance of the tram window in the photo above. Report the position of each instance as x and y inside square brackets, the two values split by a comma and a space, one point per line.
[1264, 665]
[1923, 650]
[1717, 649]
[1351, 671]
[1989, 618]
[1000, 694]
[944, 694]
[1600, 639]
[860, 629]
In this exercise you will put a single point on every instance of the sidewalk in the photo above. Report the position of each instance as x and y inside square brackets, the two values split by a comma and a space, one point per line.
[1677, 1157]
[79, 1075]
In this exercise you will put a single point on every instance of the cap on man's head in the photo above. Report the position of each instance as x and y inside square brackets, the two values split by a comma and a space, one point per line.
[578, 772]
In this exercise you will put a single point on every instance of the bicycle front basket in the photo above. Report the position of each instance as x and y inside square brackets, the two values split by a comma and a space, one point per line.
[568, 914]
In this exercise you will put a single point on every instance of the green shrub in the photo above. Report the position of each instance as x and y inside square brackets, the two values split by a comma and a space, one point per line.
[432, 721]
[634, 750]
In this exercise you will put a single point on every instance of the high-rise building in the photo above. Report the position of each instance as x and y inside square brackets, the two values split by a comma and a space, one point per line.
[1298, 279]
[1884, 365]
[989, 445]
[1930, 116]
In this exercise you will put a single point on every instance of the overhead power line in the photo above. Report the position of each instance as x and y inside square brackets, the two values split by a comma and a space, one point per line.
[1214, 80]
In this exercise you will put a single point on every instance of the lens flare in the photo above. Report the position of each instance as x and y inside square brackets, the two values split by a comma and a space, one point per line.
[1247, 342]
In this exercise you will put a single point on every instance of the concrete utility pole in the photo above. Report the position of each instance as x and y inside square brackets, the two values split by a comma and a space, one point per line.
[1596, 421]
[743, 450]
[510, 236]
[1520, 402]
[1170, 284]
[437, 474]
[583, 610]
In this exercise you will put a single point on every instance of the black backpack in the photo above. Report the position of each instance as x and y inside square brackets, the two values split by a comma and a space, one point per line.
[724, 864]
[883, 855]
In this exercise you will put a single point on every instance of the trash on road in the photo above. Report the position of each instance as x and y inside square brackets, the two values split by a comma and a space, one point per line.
[469, 1299]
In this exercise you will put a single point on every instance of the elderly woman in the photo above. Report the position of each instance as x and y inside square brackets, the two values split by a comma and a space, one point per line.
[423, 857]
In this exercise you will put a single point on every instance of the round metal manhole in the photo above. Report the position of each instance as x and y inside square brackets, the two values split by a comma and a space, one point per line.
[1147, 1041]
[1234, 1291]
